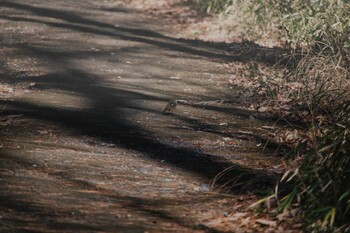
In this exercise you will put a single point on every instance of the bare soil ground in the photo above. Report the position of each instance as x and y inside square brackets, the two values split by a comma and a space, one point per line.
[84, 144]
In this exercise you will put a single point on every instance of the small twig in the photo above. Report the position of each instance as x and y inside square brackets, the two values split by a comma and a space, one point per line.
[9, 117]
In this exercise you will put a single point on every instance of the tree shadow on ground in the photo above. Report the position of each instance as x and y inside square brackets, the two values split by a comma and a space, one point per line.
[108, 115]
[105, 119]
[77, 215]
[245, 51]
[98, 121]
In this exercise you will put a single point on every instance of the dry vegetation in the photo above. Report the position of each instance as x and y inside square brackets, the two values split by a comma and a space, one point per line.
[311, 89]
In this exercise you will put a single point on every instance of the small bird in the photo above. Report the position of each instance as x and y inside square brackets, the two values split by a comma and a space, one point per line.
[170, 107]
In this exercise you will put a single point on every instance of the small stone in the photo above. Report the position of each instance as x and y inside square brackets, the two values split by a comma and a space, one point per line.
[204, 188]
[200, 226]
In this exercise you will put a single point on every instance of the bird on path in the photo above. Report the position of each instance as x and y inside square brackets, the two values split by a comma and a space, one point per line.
[170, 107]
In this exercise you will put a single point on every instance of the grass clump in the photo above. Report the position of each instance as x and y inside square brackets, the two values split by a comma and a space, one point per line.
[318, 34]
[320, 184]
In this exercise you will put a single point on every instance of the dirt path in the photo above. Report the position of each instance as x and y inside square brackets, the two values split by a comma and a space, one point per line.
[88, 149]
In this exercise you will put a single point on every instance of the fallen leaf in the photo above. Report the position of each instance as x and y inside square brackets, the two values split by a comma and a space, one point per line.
[214, 222]
[262, 109]
[245, 221]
